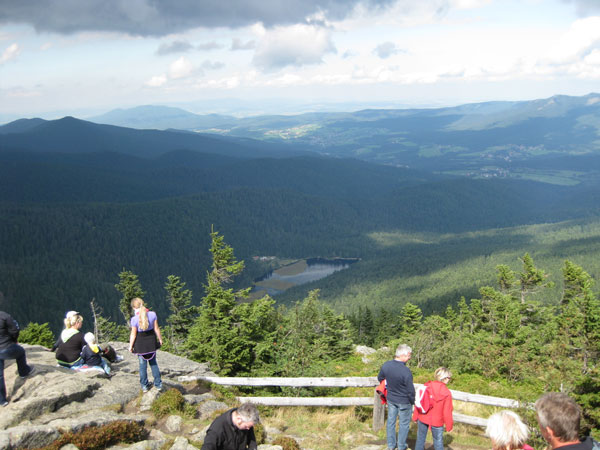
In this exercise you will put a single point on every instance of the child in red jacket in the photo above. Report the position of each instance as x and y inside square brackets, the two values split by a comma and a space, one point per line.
[439, 415]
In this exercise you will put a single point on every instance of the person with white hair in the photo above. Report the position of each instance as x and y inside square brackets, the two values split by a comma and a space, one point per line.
[507, 431]
[400, 396]
[92, 354]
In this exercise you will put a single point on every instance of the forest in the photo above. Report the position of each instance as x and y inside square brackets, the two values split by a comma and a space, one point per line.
[502, 336]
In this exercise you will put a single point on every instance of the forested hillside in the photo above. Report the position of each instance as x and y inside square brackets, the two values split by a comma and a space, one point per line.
[80, 202]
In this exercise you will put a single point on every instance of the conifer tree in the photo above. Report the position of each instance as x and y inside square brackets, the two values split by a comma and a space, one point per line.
[129, 286]
[183, 313]
[410, 318]
[215, 336]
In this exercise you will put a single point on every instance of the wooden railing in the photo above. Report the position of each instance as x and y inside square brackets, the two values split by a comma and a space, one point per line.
[378, 408]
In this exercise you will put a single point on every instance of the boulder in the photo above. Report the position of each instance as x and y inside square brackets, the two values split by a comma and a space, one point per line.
[55, 399]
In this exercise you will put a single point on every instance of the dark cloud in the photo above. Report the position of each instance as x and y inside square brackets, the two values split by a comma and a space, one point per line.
[585, 8]
[174, 47]
[237, 44]
[211, 45]
[162, 17]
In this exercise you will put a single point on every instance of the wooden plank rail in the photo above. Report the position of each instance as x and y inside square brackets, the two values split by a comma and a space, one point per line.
[378, 408]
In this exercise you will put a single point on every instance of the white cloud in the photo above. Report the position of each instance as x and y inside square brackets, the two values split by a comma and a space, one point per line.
[11, 52]
[181, 68]
[297, 45]
[157, 81]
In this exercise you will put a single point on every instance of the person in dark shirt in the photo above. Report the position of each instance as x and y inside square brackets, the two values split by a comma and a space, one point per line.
[91, 354]
[70, 343]
[10, 349]
[400, 396]
[233, 430]
[558, 417]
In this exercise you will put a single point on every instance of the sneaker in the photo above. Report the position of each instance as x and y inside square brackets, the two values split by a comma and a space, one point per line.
[4, 404]
[147, 387]
[159, 388]
[31, 372]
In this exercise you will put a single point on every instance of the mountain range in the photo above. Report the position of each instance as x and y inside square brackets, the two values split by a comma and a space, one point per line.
[81, 201]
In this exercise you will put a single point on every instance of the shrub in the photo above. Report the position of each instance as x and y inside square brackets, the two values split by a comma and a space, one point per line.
[287, 443]
[97, 438]
[172, 402]
[36, 334]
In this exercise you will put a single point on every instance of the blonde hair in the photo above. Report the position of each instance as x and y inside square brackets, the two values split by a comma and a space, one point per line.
[143, 321]
[72, 320]
[441, 373]
[506, 430]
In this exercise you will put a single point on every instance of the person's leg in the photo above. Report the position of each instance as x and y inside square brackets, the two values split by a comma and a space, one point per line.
[404, 416]
[19, 354]
[105, 366]
[155, 372]
[438, 437]
[391, 425]
[421, 435]
[143, 372]
[2, 386]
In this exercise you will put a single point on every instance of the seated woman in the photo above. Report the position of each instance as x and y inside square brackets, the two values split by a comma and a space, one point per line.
[91, 354]
[70, 343]
[507, 431]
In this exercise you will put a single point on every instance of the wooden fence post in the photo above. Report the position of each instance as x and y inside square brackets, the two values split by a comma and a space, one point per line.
[378, 413]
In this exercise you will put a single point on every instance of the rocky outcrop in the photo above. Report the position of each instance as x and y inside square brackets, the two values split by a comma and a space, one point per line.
[55, 399]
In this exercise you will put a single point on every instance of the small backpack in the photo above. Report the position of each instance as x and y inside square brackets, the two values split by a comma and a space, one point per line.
[424, 399]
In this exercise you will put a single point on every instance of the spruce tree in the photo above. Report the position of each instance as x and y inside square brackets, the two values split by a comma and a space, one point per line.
[129, 286]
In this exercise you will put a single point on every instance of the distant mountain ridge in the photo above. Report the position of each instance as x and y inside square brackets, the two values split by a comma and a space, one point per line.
[481, 139]
[71, 135]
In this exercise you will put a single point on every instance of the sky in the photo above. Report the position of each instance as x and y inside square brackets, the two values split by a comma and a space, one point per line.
[245, 57]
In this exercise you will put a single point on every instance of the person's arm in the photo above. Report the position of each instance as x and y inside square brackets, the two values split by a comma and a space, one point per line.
[211, 441]
[251, 439]
[12, 328]
[410, 387]
[157, 332]
[447, 413]
[132, 337]
[381, 375]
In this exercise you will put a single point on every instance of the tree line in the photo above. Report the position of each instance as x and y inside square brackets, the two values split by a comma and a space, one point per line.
[504, 333]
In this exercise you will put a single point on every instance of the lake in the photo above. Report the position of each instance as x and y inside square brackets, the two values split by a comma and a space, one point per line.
[299, 272]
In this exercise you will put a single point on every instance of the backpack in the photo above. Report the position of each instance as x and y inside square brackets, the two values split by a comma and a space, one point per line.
[424, 399]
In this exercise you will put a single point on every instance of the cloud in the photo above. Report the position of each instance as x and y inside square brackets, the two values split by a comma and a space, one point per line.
[163, 17]
[297, 45]
[181, 68]
[237, 44]
[211, 45]
[174, 47]
[210, 65]
[157, 81]
[11, 52]
[585, 8]
[386, 50]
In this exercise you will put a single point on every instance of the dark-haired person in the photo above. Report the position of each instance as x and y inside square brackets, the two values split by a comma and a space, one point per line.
[233, 430]
[10, 349]
[144, 340]
[558, 417]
